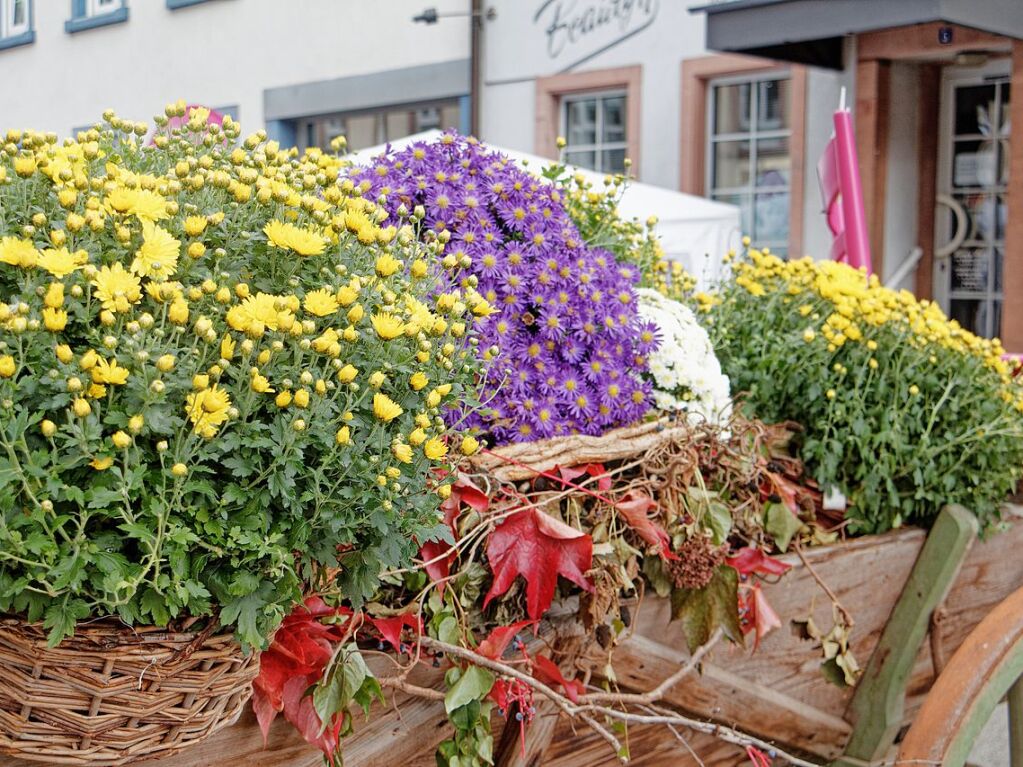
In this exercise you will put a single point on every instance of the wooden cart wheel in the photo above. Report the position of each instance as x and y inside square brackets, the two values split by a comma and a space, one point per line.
[985, 668]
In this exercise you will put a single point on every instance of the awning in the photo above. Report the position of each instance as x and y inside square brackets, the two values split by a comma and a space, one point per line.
[812, 31]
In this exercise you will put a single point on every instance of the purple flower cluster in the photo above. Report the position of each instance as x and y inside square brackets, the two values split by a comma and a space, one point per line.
[572, 346]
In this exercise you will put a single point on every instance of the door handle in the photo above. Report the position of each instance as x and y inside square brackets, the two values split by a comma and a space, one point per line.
[962, 220]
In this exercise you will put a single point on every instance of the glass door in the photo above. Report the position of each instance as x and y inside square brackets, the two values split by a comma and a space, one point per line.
[973, 167]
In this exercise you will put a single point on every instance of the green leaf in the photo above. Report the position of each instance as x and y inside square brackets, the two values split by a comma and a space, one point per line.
[61, 618]
[155, 604]
[781, 524]
[474, 684]
[704, 610]
[719, 521]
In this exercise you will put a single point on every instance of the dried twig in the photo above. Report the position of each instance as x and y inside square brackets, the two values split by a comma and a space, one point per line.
[824, 586]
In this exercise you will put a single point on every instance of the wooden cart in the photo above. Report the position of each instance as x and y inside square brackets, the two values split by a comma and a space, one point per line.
[917, 599]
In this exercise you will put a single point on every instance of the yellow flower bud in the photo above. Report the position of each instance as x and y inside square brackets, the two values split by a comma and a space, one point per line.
[298, 424]
[470, 445]
[343, 436]
[165, 363]
[302, 398]
[48, 428]
[417, 437]
[64, 353]
[135, 424]
[179, 470]
[121, 440]
[81, 407]
[200, 381]
[347, 374]
[418, 381]
[7, 366]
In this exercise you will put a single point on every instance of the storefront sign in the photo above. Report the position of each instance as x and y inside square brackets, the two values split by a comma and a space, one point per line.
[578, 30]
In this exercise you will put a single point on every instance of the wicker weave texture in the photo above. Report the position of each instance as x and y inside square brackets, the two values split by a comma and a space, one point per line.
[112, 695]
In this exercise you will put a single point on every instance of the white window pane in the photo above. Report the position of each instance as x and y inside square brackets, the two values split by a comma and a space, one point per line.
[771, 217]
[731, 108]
[772, 105]
[581, 121]
[731, 164]
[773, 162]
[745, 205]
[613, 119]
[584, 159]
[612, 160]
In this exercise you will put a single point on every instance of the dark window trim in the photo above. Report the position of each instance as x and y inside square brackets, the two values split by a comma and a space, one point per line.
[83, 23]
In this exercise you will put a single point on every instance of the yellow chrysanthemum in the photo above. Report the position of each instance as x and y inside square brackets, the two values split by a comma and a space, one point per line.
[385, 408]
[195, 225]
[117, 288]
[141, 203]
[435, 449]
[18, 252]
[402, 452]
[208, 410]
[386, 265]
[291, 237]
[108, 372]
[257, 313]
[60, 262]
[158, 256]
[388, 326]
[54, 319]
[321, 302]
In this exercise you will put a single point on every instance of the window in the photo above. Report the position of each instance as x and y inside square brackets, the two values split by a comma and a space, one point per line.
[748, 154]
[594, 127]
[365, 129]
[15, 23]
[89, 14]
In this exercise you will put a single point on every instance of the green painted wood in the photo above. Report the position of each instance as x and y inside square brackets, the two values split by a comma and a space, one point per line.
[878, 705]
[1015, 698]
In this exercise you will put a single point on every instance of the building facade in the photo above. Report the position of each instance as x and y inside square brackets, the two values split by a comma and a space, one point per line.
[307, 70]
[732, 101]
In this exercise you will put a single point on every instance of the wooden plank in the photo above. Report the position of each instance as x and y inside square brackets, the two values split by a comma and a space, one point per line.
[730, 699]
[878, 707]
[649, 746]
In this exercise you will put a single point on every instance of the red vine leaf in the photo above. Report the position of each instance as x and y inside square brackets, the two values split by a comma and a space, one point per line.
[572, 473]
[539, 548]
[635, 508]
[547, 671]
[765, 619]
[497, 642]
[390, 628]
[752, 560]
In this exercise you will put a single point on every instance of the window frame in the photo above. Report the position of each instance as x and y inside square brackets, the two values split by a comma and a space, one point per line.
[696, 75]
[753, 135]
[599, 146]
[12, 36]
[90, 14]
[379, 114]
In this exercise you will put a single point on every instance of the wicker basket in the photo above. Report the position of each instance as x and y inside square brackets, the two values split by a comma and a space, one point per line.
[113, 695]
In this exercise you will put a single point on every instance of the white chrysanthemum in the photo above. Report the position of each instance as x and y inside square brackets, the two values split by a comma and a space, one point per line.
[684, 370]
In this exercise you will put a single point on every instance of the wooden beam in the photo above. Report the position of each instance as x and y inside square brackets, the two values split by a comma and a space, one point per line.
[878, 706]
[927, 183]
[921, 41]
[1012, 310]
[873, 83]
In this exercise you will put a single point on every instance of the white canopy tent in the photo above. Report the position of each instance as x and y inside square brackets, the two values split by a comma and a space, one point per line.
[694, 231]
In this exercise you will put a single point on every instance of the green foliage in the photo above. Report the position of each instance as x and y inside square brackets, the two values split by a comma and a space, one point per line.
[903, 410]
[212, 365]
[702, 611]
[471, 744]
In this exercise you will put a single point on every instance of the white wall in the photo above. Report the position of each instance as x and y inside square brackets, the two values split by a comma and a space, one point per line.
[220, 53]
[516, 51]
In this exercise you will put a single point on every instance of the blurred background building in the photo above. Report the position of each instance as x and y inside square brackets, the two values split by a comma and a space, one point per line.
[732, 100]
